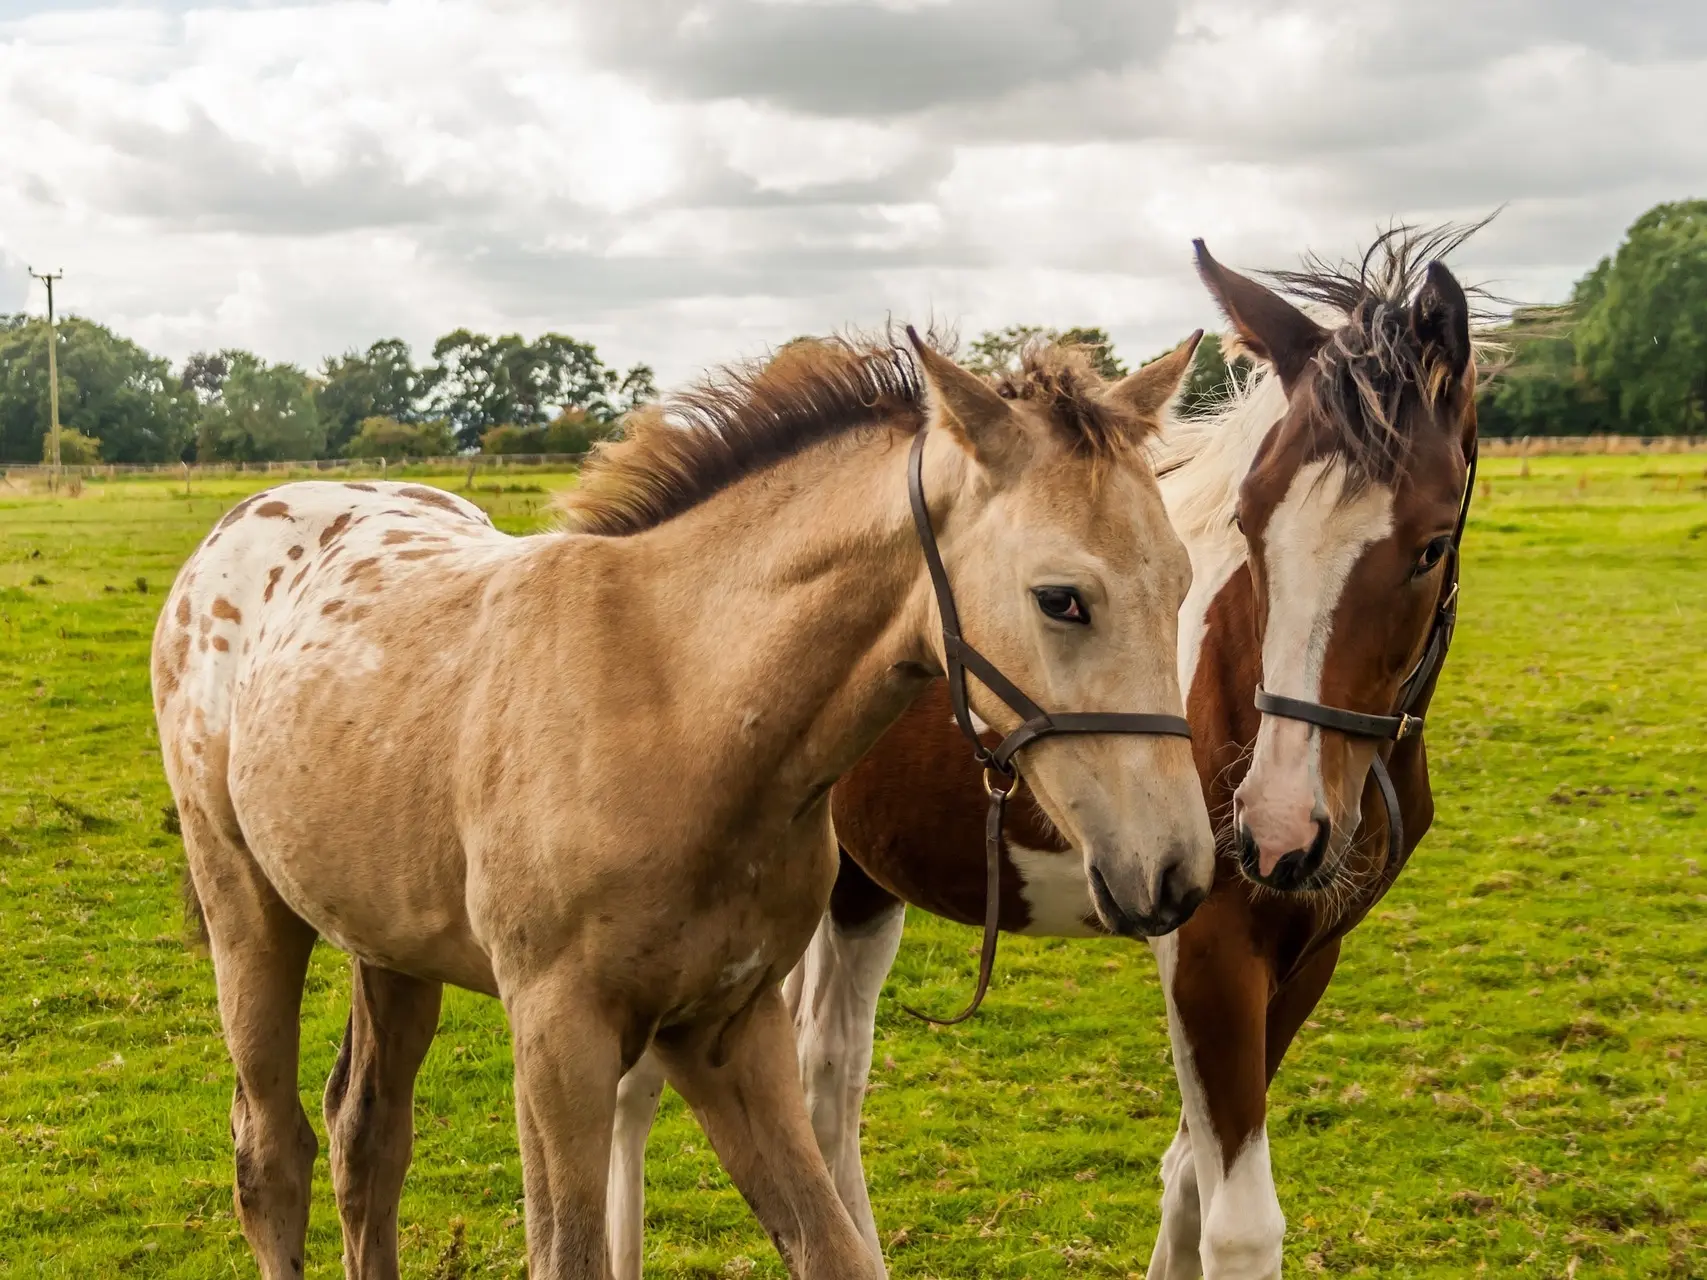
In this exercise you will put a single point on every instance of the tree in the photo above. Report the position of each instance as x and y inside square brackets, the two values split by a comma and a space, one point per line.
[1642, 338]
[381, 382]
[572, 431]
[1541, 390]
[109, 388]
[479, 382]
[75, 448]
[263, 413]
[383, 437]
[205, 372]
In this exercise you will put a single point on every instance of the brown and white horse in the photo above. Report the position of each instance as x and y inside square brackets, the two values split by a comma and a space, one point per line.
[588, 772]
[1318, 508]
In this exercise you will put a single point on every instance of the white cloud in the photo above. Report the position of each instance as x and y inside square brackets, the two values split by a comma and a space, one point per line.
[684, 183]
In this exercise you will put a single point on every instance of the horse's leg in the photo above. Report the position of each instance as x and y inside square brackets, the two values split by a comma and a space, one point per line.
[832, 995]
[370, 1110]
[568, 1064]
[637, 1099]
[1175, 1256]
[1295, 1001]
[1217, 993]
[260, 957]
[744, 1085]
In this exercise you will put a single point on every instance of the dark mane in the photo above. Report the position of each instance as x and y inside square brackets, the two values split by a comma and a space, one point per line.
[748, 417]
[1372, 367]
[738, 421]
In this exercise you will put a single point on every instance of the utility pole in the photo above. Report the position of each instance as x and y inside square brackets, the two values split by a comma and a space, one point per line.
[47, 279]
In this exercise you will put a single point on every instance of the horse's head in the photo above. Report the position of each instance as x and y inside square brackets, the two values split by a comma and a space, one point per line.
[1068, 577]
[1349, 510]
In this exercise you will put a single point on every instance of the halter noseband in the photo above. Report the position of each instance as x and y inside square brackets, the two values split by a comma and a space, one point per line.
[998, 763]
[1401, 724]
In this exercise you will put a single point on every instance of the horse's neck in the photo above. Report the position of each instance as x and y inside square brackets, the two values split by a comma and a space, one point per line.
[797, 611]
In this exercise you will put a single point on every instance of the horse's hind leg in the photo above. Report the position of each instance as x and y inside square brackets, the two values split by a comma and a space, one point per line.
[369, 1106]
[637, 1099]
[260, 956]
[832, 995]
[742, 1082]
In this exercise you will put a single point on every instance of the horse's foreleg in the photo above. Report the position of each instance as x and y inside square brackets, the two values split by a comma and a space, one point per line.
[832, 995]
[568, 1065]
[743, 1083]
[260, 957]
[1217, 1007]
[1294, 1002]
[370, 1110]
[1175, 1256]
[637, 1100]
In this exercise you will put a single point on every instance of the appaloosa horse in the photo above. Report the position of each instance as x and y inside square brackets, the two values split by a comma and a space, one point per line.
[1321, 509]
[588, 772]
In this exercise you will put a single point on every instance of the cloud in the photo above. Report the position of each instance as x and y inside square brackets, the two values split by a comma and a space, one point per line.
[871, 60]
[683, 183]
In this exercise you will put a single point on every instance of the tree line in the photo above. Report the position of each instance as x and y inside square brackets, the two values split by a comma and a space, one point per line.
[1625, 354]
[120, 403]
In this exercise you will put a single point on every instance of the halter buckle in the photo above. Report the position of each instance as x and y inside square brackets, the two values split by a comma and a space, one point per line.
[1409, 726]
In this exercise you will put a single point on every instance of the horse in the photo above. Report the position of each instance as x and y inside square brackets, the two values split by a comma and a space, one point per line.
[1321, 508]
[588, 771]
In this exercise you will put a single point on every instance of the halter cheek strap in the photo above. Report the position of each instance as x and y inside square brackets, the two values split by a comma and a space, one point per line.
[959, 659]
[1401, 724]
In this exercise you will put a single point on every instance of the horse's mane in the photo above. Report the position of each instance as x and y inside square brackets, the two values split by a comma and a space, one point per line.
[1373, 362]
[748, 417]
[1201, 458]
[1369, 364]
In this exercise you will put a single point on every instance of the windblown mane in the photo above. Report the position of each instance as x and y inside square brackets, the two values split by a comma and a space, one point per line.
[751, 416]
[1062, 379]
[1369, 364]
[738, 421]
[1373, 362]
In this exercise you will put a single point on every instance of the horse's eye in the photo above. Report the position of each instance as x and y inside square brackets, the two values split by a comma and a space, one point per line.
[1062, 603]
[1432, 555]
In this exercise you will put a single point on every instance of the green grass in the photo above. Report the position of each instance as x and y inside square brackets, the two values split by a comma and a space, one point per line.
[1507, 1073]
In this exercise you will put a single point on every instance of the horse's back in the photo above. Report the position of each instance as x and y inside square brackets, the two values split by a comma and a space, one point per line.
[267, 585]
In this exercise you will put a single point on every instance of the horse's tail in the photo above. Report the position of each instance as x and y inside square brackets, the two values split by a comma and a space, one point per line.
[195, 919]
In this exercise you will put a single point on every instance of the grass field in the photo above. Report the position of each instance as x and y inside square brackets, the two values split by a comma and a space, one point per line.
[1506, 1078]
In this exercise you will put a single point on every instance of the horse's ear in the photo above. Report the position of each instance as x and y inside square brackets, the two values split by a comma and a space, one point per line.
[1440, 317]
[1270, 326]
[965, 406]
[1150, 390]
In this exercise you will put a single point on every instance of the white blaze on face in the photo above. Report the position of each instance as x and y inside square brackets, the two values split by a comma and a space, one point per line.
[1312, 542]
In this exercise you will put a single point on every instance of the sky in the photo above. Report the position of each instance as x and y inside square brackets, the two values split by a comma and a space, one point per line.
[685, 182]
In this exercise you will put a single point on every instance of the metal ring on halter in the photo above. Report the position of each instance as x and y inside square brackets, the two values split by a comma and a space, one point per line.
[1012, 775]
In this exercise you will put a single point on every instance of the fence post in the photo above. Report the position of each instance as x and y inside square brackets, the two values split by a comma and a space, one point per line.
[384, 469]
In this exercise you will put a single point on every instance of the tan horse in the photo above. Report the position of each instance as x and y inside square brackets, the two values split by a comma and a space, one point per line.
[588, 772]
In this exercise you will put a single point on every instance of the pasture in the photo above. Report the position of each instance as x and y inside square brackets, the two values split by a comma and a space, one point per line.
[1506, 1078]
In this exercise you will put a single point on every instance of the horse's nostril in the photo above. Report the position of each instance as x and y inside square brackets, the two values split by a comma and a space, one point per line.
[1319, 846]
[1248, 855]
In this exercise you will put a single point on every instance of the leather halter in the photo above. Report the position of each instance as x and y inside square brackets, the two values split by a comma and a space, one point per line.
[1401, 724]
[998, 763]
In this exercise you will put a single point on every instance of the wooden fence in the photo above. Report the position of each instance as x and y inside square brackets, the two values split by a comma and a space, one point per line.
[1544, 446]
